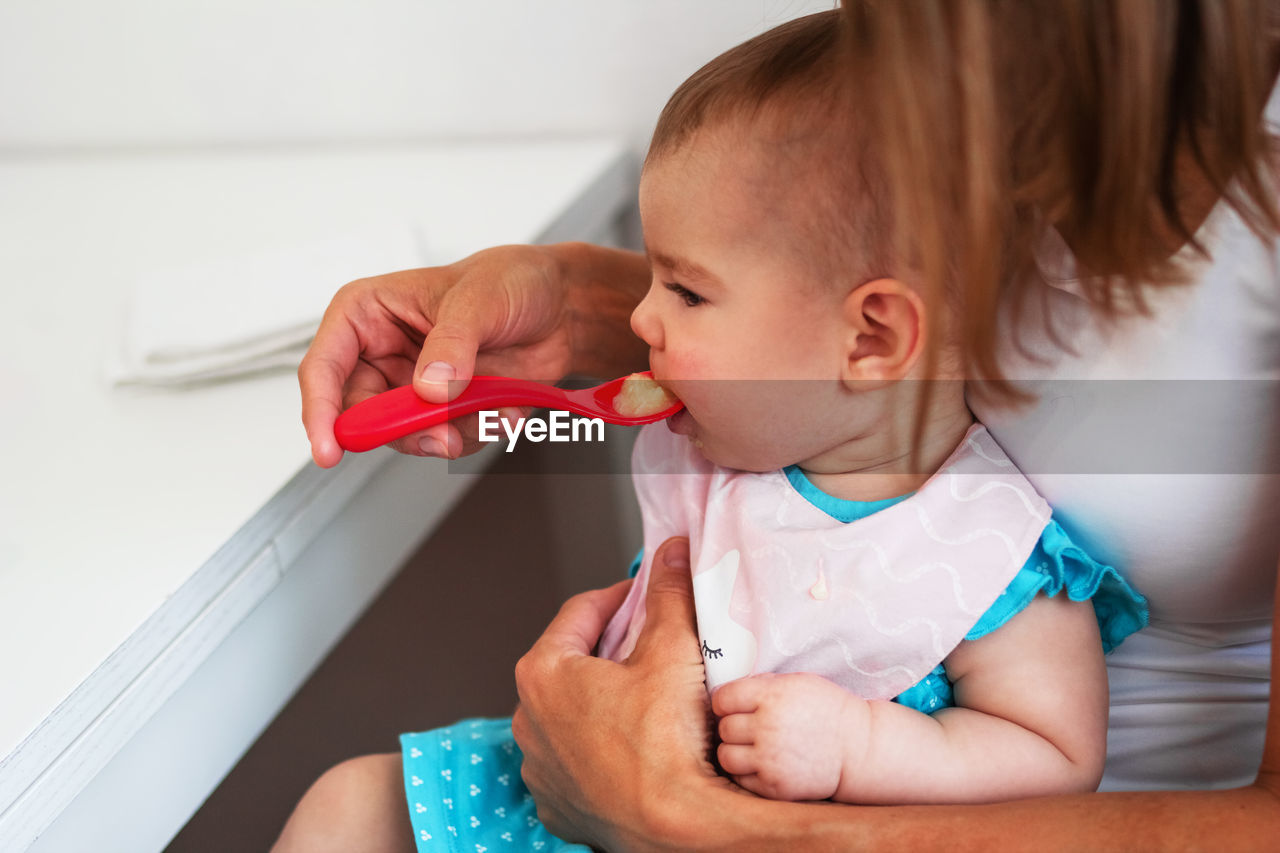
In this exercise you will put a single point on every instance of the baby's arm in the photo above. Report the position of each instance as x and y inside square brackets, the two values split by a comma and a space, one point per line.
[1030, 719]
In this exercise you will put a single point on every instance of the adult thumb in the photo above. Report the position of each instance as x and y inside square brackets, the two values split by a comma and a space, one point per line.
[670, 626]
[448, 357]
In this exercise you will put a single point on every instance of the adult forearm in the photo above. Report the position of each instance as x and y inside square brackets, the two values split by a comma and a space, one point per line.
[605, 285]
[1241, 819]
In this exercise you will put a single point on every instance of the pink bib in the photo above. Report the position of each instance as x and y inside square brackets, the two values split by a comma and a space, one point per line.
[781, 586]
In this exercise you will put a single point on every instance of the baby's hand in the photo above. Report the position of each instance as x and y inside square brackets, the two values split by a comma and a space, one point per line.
[789, 737]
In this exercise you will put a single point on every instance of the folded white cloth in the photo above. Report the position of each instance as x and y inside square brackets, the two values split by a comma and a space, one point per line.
[242, 315]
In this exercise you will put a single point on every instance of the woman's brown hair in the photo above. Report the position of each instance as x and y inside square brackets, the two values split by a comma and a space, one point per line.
[995, 120]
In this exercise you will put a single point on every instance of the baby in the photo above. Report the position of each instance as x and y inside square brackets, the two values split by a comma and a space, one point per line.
[840, 559]
[887, 611]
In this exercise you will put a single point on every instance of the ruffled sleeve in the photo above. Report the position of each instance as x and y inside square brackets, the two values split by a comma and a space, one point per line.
[1056, 565]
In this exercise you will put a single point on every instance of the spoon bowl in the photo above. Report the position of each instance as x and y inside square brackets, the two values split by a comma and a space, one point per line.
[396, 413]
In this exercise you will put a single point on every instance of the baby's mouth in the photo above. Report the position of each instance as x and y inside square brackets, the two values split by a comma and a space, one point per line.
[682, 423]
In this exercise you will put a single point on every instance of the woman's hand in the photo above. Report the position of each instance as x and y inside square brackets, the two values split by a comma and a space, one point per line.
[611, 750]
[426, 326]
[535, 312]
[616, 756]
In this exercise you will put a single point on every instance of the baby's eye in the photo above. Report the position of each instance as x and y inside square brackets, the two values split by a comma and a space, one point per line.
[690, 298]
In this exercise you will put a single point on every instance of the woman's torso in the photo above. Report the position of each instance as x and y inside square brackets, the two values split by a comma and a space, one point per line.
[1156, 439]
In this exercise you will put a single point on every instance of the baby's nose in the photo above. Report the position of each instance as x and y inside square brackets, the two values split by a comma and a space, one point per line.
[645, 322]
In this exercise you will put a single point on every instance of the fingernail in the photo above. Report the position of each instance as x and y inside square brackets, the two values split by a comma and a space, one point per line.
[438, 372]
[432, 446]
[677, 555]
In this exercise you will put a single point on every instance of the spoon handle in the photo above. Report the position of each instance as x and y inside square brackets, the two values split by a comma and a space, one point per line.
[396, 413]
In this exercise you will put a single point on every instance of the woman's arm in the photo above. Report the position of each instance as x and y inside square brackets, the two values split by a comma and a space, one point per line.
[616, 755]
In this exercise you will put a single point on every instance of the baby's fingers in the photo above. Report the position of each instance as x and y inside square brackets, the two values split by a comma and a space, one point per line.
[738, 729]
[738, 760]
[742, 696]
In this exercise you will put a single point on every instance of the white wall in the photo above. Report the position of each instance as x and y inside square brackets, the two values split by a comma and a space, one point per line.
[92, 73]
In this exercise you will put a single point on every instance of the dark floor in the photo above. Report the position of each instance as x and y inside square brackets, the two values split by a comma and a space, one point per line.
[438, 644]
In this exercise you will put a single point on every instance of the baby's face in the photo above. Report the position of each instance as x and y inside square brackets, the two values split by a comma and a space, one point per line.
[738, 326]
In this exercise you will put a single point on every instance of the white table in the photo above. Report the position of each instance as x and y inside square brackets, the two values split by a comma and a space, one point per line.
[171, 563]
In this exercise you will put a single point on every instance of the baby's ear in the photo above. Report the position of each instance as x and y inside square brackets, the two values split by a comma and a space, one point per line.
[885, 323]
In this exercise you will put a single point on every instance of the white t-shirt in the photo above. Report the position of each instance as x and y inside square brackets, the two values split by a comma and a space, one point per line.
[1156, 441]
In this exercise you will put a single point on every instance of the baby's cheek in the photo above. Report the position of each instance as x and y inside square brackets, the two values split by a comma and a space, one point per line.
[689, 365]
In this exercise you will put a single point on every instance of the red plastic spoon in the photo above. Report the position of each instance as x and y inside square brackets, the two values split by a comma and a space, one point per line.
[396, 413]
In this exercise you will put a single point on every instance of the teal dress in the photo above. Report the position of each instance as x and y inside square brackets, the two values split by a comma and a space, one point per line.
[463, 782]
